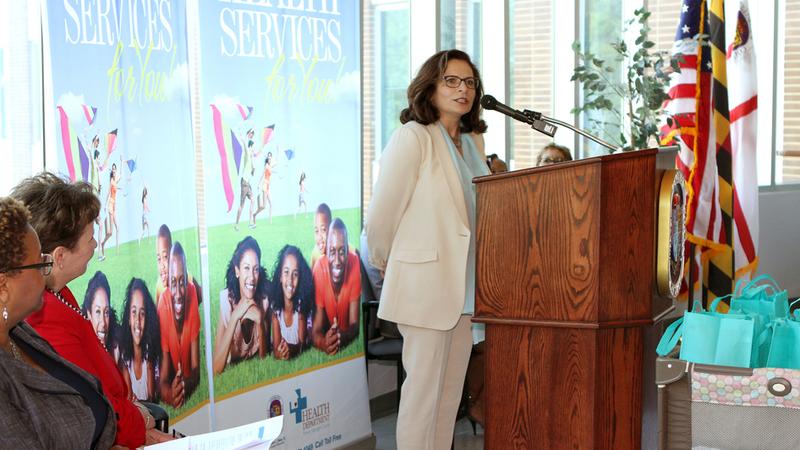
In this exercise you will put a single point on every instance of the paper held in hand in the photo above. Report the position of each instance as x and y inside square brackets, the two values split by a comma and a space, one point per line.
[257, 435]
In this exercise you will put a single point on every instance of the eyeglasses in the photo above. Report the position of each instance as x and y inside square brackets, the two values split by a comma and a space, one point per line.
[46, 266]
[453, 81]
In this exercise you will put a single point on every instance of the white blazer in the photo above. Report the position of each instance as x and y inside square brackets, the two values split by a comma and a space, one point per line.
[417, 229]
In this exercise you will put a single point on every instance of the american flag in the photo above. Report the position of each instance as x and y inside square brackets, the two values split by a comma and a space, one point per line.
[689, 106]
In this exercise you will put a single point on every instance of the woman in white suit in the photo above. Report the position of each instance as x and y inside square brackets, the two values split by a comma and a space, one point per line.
[420, 231]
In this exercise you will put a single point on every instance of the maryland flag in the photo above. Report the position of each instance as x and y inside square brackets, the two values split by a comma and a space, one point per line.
[716, 131]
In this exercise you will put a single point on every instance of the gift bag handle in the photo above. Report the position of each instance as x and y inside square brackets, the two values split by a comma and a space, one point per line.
[797, 311]
[669, 340]
[716, 301]
[771, 284]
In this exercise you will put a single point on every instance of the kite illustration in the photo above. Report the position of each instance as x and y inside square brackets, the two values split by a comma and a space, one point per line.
[230, 153]
[90, 112]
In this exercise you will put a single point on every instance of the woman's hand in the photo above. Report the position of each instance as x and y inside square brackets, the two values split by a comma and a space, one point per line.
[332, 338]
[178, 388]
[149, 420]
[241, 309]
[253, 313]
[154, 436]
[282, 351]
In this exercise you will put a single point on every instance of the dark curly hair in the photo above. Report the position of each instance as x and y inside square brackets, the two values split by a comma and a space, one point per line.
[232, 283]
[60, 210]
[151, 335]
[304, 294]
[100, 281]
[14, 219]
[423, 86]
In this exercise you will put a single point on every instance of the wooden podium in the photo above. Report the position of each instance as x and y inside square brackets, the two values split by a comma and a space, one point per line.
[565, 281]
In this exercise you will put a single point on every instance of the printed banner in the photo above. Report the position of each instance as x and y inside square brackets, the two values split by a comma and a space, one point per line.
[121, 90]
[280, 83]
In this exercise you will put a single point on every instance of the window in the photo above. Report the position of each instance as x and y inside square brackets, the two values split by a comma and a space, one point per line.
[663, 22]
[461, 27]
[602, 25]
[386, 74]
[531, 71]
[787, 160]
[20, 92]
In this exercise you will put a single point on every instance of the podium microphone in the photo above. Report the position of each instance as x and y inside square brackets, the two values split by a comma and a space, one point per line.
[539, 121]
[532, 118]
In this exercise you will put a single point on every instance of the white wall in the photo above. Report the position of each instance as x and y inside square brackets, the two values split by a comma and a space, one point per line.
[779, 238]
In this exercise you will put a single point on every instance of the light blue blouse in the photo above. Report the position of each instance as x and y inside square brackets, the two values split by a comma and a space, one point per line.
[469, 166]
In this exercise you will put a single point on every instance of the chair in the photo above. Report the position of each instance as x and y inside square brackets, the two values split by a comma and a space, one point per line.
[376, 345]
[159, 414]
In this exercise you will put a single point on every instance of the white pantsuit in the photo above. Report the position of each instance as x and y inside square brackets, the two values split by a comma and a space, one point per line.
[418, 231]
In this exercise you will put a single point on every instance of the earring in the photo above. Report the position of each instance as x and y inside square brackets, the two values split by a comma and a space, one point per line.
[5, 313]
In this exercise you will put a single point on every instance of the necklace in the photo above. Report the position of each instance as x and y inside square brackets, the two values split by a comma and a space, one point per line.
[15, 350]
[77, 311]
[68, 304]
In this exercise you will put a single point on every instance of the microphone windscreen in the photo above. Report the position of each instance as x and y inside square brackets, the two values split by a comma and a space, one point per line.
[488, 102]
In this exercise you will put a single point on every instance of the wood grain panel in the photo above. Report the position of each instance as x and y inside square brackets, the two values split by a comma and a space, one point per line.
[539, 388]
[618, 388]
[563, 388]
[627, 238]
[538, 245]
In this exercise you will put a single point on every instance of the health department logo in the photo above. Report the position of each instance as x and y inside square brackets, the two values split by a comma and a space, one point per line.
[298, 407]
[309, 417]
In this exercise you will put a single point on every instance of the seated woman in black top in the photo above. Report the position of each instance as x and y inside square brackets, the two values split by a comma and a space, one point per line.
[45, 401]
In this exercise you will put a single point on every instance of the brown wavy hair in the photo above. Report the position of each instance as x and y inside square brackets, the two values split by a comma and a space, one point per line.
[423, 86]
[13, 226]
[60, 210]
[559, 148]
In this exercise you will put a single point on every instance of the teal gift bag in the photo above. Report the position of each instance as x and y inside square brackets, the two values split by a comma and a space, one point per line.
[709, 337]
[784, 350]
[763, 300]
[761, 296]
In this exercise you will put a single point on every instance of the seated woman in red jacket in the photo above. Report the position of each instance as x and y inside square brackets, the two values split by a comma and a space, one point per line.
[63, 215]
